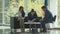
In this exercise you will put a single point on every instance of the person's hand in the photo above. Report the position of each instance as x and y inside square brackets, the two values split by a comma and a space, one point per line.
[33, 20]
[29, 20]
[22, 17]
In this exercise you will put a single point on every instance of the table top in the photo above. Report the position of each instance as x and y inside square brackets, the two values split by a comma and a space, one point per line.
[32, 23]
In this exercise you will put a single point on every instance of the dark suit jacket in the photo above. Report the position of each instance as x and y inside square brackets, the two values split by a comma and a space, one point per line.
[23, 14]
[30, 16]
[48, 16]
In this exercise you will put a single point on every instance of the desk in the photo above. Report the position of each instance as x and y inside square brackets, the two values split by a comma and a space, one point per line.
[32, 23]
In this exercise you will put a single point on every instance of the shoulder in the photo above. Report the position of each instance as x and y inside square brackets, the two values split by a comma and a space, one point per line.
[29, 13]
[48, 11]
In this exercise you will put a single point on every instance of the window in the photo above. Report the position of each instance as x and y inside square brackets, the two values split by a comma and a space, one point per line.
[58, 12]
[0, 12]
[12, 6]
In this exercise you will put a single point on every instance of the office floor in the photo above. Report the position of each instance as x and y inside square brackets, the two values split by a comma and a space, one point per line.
[49, 32]
[7, 30]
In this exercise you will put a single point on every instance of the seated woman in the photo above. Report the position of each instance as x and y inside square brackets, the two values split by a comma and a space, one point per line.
[32, 16]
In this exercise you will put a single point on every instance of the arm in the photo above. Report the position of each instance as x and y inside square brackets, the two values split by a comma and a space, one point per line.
[29, 17]
[34, 17]
[16, 13]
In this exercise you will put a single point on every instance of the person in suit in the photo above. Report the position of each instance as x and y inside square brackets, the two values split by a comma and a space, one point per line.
[47, 18]
[32, 16]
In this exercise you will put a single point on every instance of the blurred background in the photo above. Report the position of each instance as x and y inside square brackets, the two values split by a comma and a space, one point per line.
[10, 7]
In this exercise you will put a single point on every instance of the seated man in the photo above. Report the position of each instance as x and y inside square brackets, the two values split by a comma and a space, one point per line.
[47, 18]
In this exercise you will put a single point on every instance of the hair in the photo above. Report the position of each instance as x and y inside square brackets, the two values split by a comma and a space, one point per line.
[23, 13]
[32, 10]
[21, 7]
[43, 7]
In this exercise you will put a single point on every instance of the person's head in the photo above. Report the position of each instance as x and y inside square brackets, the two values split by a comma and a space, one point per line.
[21, 8]
[44, 8]
[32, 11]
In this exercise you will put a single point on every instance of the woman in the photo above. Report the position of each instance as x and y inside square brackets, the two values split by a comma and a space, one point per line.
[32, 16]
[21, 15]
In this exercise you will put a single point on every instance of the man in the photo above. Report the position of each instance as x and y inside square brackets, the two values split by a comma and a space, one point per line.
[47, 18]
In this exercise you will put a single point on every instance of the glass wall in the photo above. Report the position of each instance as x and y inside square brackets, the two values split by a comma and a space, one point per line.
[59, 13]
[11, 7]
[0, 12]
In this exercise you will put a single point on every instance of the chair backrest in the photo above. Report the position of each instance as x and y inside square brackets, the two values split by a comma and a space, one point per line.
[54, 18]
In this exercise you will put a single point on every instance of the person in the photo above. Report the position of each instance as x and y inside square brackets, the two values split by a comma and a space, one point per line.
[47, 18]
[32, 17]
[21, 16]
